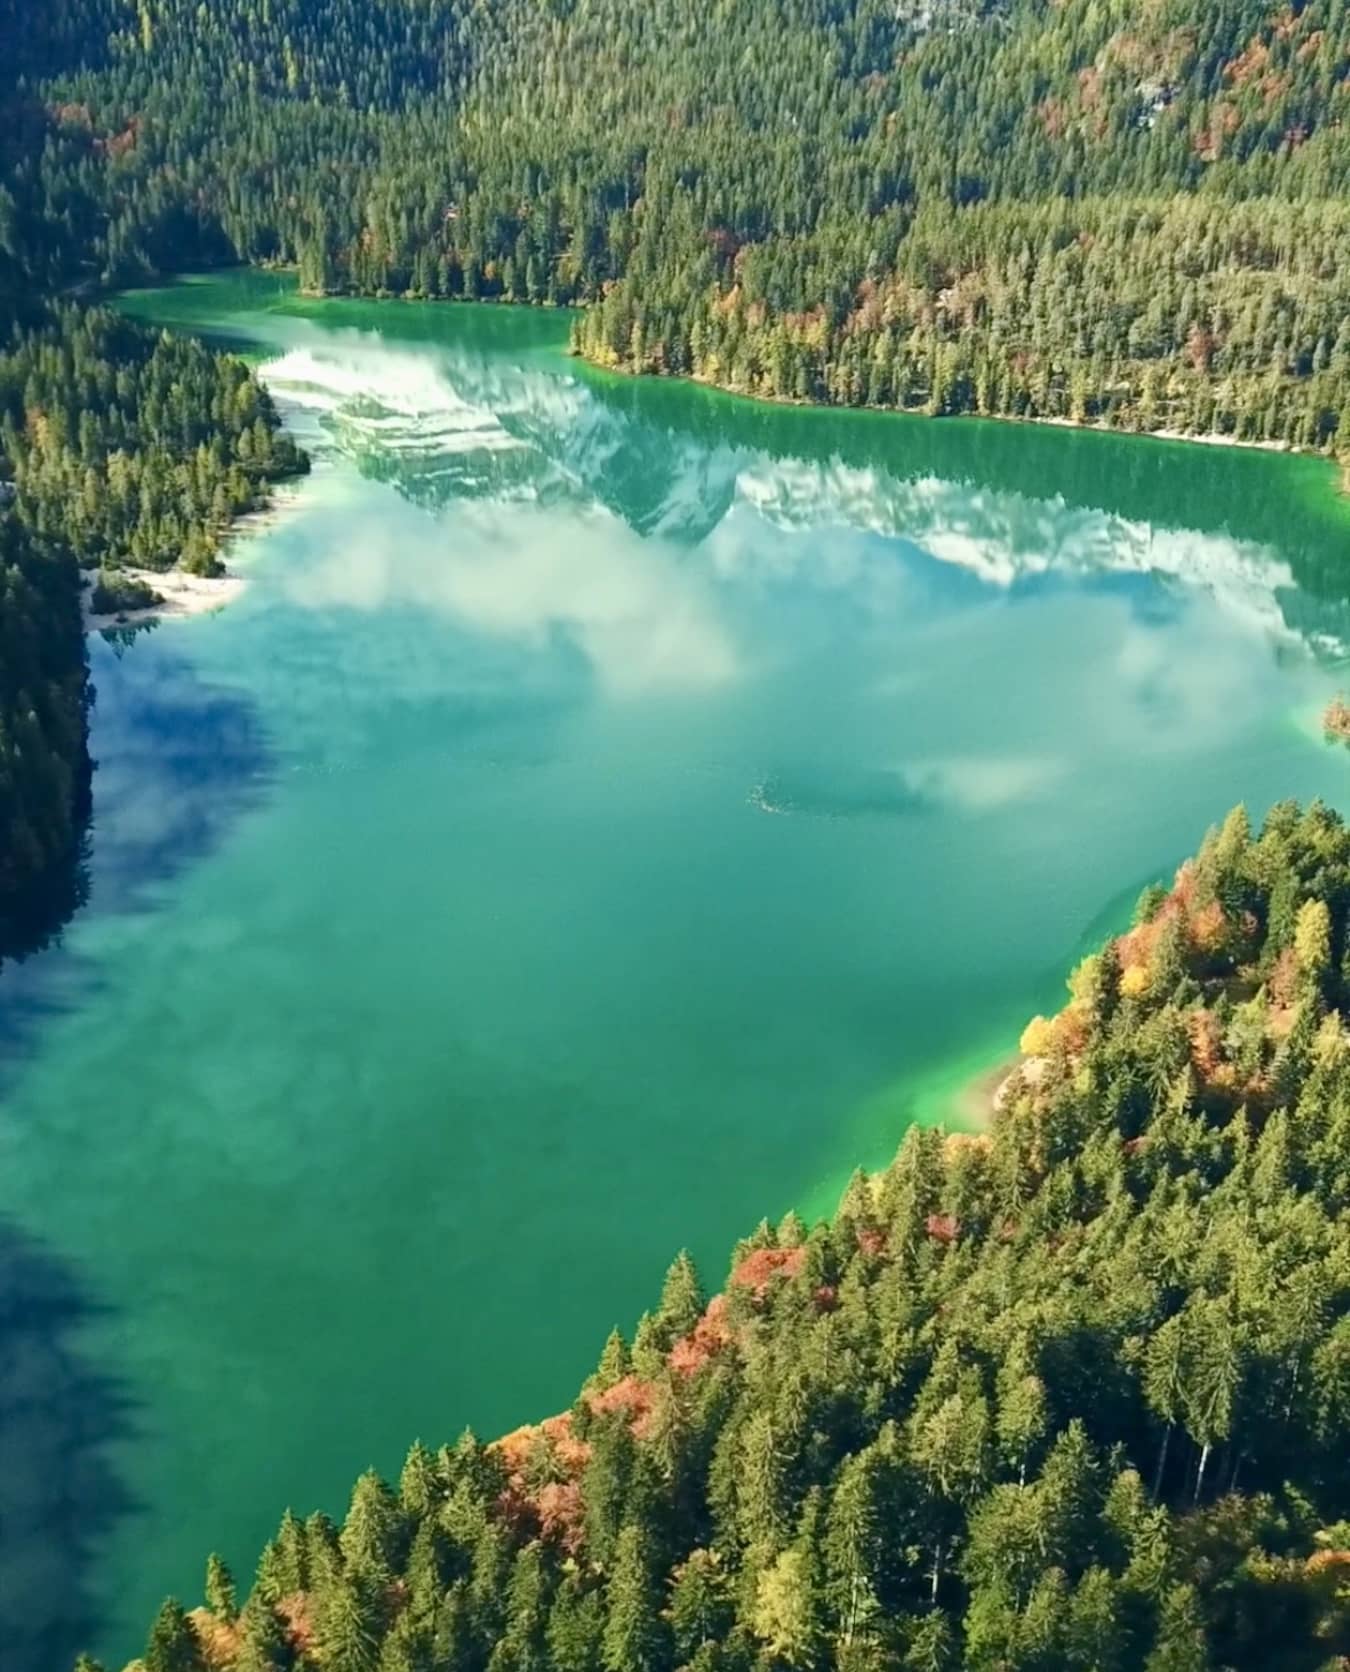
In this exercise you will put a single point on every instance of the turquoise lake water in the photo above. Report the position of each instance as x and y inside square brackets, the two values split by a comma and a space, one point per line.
[610, 814]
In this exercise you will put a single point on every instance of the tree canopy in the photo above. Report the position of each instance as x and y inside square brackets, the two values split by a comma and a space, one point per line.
[1097, 213]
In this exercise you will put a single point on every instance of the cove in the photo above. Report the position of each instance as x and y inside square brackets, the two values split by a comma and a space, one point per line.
[611, 813]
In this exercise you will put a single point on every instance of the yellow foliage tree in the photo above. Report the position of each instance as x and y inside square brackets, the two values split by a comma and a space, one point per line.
[783, 1616]
[1038, 1037]
[1085, 984]
[1312, 937]
[1330, 1043]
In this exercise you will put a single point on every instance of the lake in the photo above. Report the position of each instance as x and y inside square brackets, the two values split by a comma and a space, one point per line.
[612, 812]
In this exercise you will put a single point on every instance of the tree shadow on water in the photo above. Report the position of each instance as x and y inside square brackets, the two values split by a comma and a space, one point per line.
[178, 759]
[60, 1497]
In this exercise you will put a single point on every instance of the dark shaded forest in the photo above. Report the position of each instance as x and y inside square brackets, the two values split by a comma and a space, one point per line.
[44, 764]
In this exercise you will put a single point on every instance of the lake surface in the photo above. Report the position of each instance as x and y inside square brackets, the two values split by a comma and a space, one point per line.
[612, 812]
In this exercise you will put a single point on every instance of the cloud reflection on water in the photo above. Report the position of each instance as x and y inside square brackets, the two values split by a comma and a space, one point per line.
[669, 561]
[449, 425]
[642, 621]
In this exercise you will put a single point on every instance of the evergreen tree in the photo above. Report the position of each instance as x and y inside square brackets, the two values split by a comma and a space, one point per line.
[634, 1634]
[219, 1591]
[349, 1625]
[418, 1486]
[1180, 1644]
[682, 1299]
[173, 1645]
[262, 1642]
[575, 1626]
[372, 1533]
[700, 1603]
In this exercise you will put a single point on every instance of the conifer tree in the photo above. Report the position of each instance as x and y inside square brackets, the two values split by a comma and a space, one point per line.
[418, 1487]
[853, 1543]
[700, 1603]
[262, 1642]
[173, 1645]
[1180, 1644]
[575, 1625]
[615, 1363]
[605, 1485]
[372, 1532]
[219, 1589]
[634, 1634]
[349, 1625]
[682, 1299]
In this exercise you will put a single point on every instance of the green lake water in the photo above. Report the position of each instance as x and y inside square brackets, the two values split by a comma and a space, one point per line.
[611, 813]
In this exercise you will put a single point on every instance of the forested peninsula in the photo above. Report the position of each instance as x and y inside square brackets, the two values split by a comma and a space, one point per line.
[117, 446]
[1069, 1394]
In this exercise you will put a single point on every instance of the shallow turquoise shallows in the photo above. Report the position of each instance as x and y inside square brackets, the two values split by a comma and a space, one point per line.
[611, 812]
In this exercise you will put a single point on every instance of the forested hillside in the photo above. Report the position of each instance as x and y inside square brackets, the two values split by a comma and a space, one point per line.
[117, 445]
[1103, 212]
[1073, 1393]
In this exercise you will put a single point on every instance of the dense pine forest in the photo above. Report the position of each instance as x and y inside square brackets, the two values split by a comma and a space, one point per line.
[1070, 1393]
[130, 446]
[1105, 213]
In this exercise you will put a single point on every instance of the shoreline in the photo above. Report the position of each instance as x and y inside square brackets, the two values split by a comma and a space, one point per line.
[186, 595]
[183, 595]
[1213, 438]
[958, 1096]
[1340, 466]
[980, 1098]
[283, 497]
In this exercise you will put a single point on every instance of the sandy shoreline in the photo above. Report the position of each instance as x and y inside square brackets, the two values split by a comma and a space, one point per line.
[1214, 438]
[977, 1101]
[183, 594]
[283, 498]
